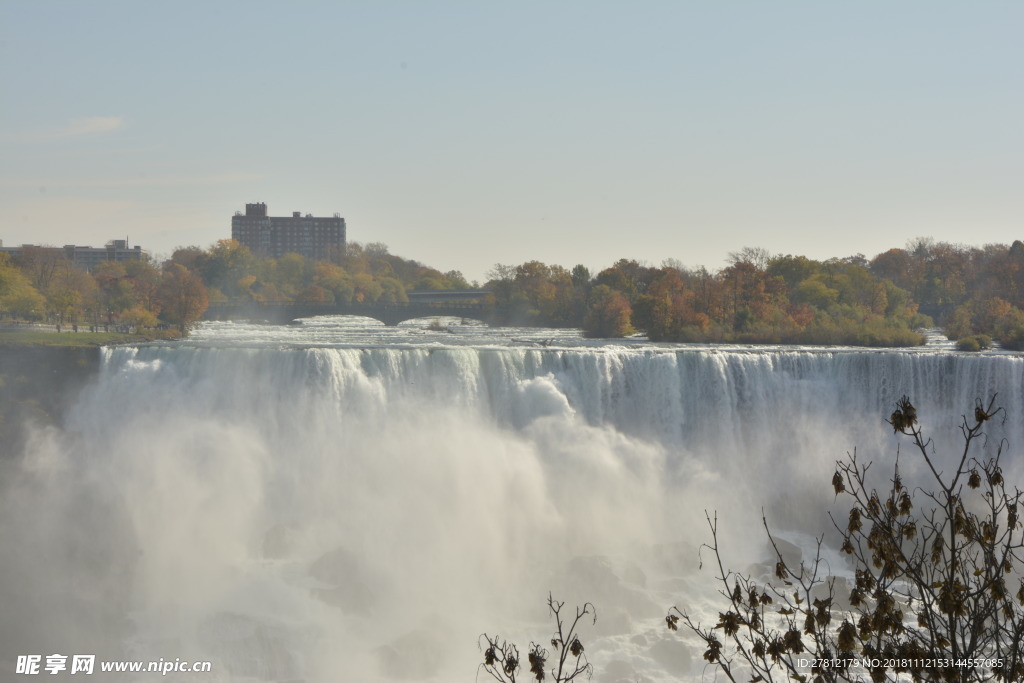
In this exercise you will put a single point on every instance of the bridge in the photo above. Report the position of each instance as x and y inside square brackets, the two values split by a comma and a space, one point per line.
[422, 304]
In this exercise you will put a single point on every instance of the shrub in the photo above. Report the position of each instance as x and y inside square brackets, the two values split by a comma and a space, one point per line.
[1013, 338]
[502, 659]
[975, 342]
[932, 598]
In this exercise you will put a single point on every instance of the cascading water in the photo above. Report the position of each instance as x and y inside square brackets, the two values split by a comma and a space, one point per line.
[296, 506]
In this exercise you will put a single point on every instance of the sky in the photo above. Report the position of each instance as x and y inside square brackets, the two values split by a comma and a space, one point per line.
[465, 134]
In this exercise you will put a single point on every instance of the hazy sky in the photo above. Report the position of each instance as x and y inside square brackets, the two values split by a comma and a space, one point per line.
[463, 134]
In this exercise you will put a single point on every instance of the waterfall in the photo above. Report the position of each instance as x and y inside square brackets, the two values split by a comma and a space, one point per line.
[332, 513]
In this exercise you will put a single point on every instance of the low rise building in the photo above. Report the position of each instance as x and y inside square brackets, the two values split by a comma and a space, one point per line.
[85, 258]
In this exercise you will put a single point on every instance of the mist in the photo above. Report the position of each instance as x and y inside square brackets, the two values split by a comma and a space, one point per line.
[322, 514]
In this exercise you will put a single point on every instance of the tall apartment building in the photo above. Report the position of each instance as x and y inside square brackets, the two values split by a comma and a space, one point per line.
[314, 237]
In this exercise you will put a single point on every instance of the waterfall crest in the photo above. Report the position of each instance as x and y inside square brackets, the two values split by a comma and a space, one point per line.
[336, 513]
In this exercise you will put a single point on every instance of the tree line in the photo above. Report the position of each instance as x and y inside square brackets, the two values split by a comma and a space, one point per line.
[976, 293]
[43, 284]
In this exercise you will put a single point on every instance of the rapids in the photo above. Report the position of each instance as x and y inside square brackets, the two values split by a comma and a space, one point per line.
[337, 501]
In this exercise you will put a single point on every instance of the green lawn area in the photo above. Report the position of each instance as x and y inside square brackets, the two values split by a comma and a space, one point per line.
[9, 338]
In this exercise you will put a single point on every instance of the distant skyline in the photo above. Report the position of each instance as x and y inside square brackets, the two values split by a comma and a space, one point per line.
[466, 134]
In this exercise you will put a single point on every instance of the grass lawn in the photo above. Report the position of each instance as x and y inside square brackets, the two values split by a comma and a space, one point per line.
[10, 338]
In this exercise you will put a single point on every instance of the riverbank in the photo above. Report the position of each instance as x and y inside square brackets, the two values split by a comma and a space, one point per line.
[38, 383]
[20, 336]
[42, 373]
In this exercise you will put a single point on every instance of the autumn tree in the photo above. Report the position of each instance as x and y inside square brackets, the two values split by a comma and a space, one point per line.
[139, 317]
[747, 290]
[937, 591]
[533, 280]
[182, 296]
[17, 295]
[759, 257]
[40, 264]
[666, 309]
[335, 280]
[628, 277]
[992, 317]
[127, 285]
[114, 290]
[610, 314]
[71, 293]
[190, 257]
[547, 289]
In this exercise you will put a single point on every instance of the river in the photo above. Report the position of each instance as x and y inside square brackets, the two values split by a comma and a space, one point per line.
[340, 501]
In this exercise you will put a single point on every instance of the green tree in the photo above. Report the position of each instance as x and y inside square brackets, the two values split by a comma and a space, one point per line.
[580, 276]
[815, 293]
[392, 291]
[793, 269]
[456, 280]
[367, 288]
[292, 274]
[224, 264]
[315, 294]
[500, 280]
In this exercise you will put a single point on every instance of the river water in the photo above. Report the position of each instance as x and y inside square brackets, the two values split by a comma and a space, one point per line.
[340, 501]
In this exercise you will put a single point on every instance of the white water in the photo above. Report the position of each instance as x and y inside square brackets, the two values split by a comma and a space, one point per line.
[332, 502]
